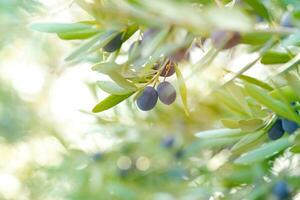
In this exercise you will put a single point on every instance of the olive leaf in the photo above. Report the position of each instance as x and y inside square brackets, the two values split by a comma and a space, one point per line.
[264, 152]
[182, 89]
[110, 102]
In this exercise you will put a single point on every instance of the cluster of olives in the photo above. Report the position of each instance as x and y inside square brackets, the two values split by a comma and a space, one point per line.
[281, 126]
[165, 91]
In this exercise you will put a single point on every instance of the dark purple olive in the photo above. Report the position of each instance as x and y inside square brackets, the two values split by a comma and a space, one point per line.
[286, 20]
[281, 190]
[114, 44]
[148, 99]
[97, 156]
[168, 70]
[149, 34]
[225, 39]
[166, 93]
[179, 154]
[289, 126]
[276, 131]
[181, 54]
[167, 142]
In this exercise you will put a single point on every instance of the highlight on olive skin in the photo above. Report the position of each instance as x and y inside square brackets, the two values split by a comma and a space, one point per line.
[166, 93]
[222, 39]
[289, 126]
[276, 131]
[147, 99]
[180, 55]
[114, 44]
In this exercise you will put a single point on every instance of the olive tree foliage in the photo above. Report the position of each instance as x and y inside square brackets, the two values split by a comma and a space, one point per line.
[144, 49]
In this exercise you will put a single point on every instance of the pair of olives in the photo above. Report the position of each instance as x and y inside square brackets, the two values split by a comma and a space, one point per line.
[165, 92]
[280, 127]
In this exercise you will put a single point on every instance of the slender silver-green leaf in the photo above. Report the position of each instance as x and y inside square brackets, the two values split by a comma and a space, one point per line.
[154, 42]
[250, 124]
[106, 67]
[92, 44]
[182, 89]
[248, 140]
[264, 98]
[230, 123]
[110, 102]
[293, 39]
[264, 152]
[219, 133]
[59, 27]
[255, 81]
[112, 88]
[84, 47]
[286, 92]
[121, 81]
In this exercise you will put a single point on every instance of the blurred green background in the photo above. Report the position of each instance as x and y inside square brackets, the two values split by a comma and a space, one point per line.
[52, 147]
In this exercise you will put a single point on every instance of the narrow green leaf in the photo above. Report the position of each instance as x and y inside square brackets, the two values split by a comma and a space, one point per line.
[255, 81]
[264, 152]
[250, 124]
[256, 38]
[106, 67]
[219, 133]
[129, 32]
[293, 39]
[121, 81]
[83, 48]
[92, 44]
[154, 42]
[182, 89]
[78, 34]
[59, 27]
[229, 123]
[259, 8]
[246, 142]
[286, 92]
[230, 102]
[273, 57]
[110, 102]
[112, 88]
[264, 98]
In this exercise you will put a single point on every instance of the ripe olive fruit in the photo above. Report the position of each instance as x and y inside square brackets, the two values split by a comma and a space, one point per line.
[276, 131]
[281, 190]
[181, 54]
[114, 44]
[148, 99]
[225, 39]
[286, 20]
[168, 70]
[166, 93]
[289, 126]
[167, 142]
